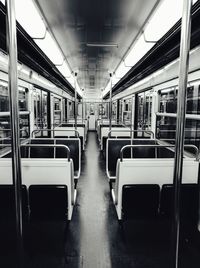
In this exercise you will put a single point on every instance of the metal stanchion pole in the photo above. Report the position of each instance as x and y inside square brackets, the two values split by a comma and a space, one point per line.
[76, 104]
[180, 124]
[110, 110]
[14, 119]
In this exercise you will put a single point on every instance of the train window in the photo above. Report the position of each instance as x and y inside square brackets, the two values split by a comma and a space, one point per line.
[5, 126]
[193, 100]
[166, 130]
[5, 132]
[143, 113]
[168, 100]
[4, 98]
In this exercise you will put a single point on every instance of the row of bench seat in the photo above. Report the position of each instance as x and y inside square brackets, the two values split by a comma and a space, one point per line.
[49, 152]
[145, 201]
[39, 202]
[114, 147]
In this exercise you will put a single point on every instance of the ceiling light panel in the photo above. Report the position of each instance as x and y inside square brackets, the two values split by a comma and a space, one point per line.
[121, 70]
[50, 48]
[29, 18]
[165, 16]
[64, 69]
[138, 51]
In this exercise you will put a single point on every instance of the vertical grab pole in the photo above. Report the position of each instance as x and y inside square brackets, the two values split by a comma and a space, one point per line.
[102, 108]
[82, 111]
[110, 110]
[14, 118]
[76, 104]
[180, 124]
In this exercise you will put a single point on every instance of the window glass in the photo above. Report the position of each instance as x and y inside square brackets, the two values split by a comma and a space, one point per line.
[166, 130]
[144, 112]
[168, 100]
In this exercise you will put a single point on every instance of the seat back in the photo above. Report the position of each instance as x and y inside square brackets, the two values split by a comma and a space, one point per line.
[48, 202]
[75, 151]
[143, 152]
[7, 202]
[140, 201]
[114, 147]
[189, 202]
[42, 152]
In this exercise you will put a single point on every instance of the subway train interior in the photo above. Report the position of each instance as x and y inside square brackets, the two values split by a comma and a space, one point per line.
[99, 133]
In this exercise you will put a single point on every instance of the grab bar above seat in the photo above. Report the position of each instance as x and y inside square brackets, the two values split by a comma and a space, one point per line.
[54, 130]
[49, 145]
[157, 146]
[133, 131]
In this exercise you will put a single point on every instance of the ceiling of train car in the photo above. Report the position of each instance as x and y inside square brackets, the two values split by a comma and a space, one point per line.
[75, 23]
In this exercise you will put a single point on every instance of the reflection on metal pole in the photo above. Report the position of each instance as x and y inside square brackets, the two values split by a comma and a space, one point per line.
[82, 111]
[76, 104]
[180, 124]
[14, 118]
[110, 113]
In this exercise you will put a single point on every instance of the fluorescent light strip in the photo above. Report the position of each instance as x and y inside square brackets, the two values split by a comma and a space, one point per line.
[101, 45]
[50, 48]
[29, 18]
[138, 51]
[64, 69]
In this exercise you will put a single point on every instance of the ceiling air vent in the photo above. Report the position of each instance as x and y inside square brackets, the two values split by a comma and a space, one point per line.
[92, 81]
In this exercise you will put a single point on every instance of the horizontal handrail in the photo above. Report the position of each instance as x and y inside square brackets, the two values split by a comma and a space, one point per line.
[9, 129]
[6, 138]
[157, 146]
[43, 146]
[133, 130]
[53, 130]
[49, 145]
[173, 130]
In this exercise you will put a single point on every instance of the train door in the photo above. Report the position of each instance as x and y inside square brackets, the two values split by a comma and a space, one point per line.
[114, 111]
[57, 111]
[71, 110]
[64, 110]
[143, 112]
[92, 116]
[120, 110]
[41, 110]
[127, 110]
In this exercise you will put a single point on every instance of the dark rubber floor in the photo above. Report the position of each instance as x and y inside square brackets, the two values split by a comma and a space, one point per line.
[94, 237]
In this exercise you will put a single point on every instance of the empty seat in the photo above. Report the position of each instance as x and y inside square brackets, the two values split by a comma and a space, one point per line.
[114, 148]
[7, 203]
[42, 152]
[48, 202]
[73, 145]
[143, 152]
[164, 153]
[140, 201]
[189, 202]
